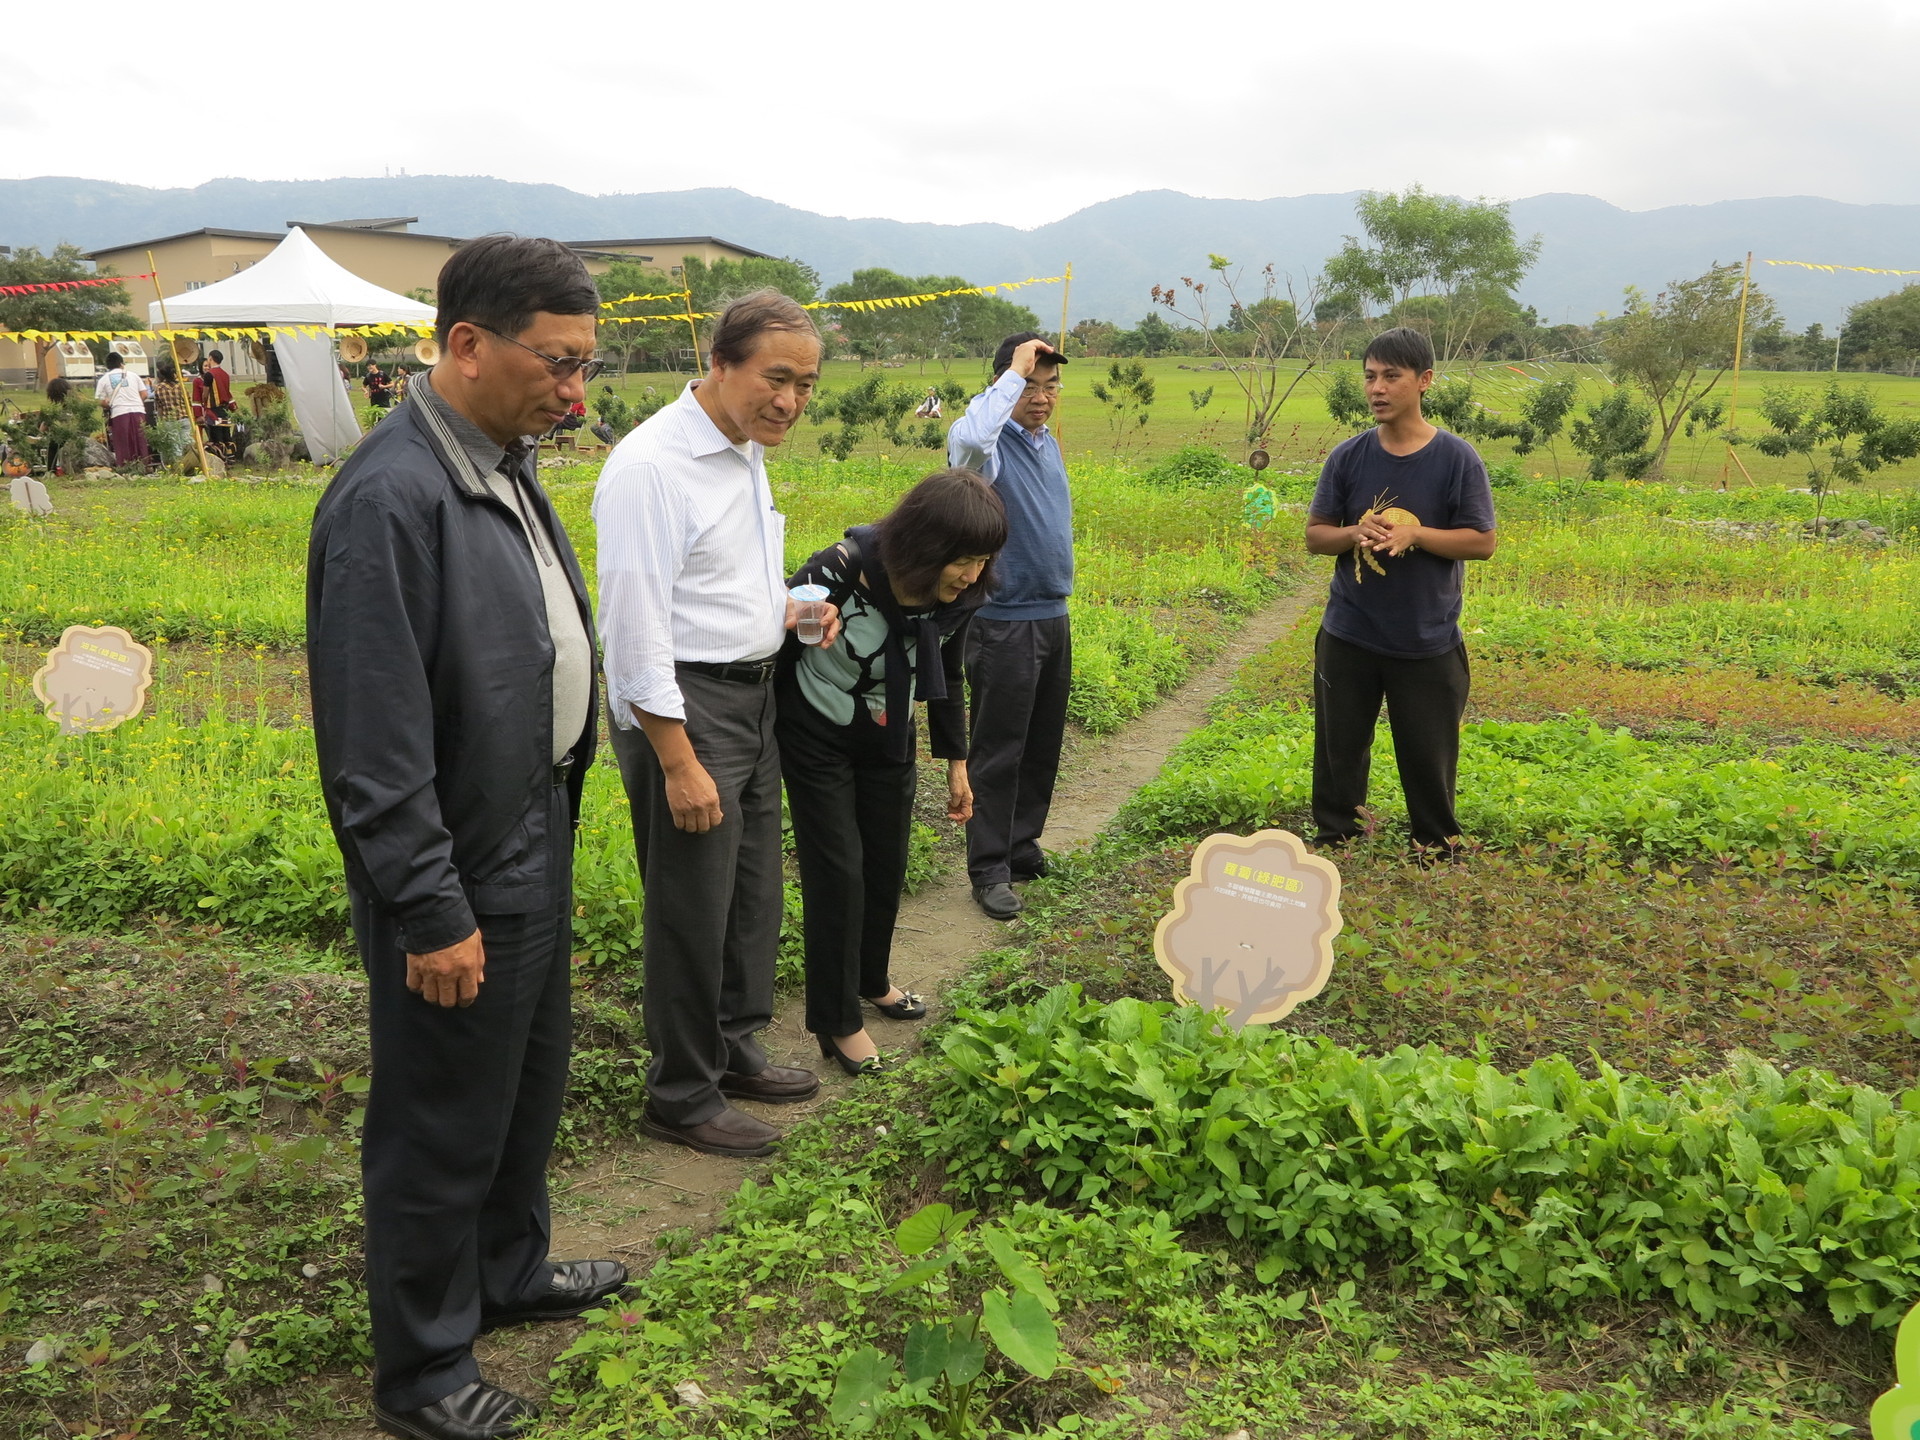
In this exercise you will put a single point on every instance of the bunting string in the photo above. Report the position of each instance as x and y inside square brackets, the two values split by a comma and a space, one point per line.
[885, 302]
[1834, 269]
[269, 332]
[45, 286]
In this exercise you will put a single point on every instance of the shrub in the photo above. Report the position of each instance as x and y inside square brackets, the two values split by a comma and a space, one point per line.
[1743, 1193]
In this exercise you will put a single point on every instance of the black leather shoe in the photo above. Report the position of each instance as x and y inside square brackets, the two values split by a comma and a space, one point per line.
[998, 901]
[475, 1412]
[732, 1133]
[578, 1286]
[775, 1085]
[908, 1007]
[1039, 869]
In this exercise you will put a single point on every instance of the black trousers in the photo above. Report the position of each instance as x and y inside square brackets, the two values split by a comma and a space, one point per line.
[711, 923]
[852, 815]
[1425, 701]
[460, 1122]
[1018, 676]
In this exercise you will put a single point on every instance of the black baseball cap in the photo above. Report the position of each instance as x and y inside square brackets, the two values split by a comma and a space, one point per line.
[1003, 357]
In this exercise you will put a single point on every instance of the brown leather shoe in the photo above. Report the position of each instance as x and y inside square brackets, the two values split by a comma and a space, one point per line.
[732, 1133]
[775, 1085]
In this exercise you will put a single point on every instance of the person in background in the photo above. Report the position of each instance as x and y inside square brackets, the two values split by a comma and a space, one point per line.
[400, 379]
[450, 645]
[218, 403]
[170, 405]
[906, 588]
[693, 610]
[123, 395]
[1020, 647]
[379, 392]
[1395, 636]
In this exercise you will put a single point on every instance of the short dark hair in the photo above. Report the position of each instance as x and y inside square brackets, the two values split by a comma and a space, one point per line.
[500, 282]
[58, 388]
[1003, 357]
[216, 357]
[114, 360]
[1404, 348]
[163, 370]
[949, 514]
[745, 320]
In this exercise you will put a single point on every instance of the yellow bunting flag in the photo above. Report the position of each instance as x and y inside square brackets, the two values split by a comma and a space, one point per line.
[1834, 269]
[635, 299]
[884, 302]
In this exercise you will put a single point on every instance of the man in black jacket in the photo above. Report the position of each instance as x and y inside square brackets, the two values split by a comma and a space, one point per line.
[449, 640]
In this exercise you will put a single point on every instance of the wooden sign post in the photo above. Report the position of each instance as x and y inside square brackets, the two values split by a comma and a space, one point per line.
[94, 679]
[1251, 931]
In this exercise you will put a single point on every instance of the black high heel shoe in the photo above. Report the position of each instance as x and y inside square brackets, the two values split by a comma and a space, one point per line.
[869, 1066]
[908, 1007]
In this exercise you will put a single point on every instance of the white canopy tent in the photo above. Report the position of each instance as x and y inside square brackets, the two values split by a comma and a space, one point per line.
[298, 284]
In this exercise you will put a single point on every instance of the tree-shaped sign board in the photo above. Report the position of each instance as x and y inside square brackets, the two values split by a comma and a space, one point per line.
[1252, 927]
[1896, 1414]
[94, 679]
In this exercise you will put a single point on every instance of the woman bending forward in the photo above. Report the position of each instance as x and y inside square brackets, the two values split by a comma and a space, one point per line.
[906, 587]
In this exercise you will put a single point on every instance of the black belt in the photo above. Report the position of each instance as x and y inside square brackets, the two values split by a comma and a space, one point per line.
[740, 672]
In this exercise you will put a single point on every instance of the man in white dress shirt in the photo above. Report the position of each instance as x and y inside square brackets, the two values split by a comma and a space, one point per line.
[693, 610]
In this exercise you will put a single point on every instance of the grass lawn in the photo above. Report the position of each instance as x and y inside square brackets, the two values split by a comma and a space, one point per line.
[1605, 1134]
[1304, 432]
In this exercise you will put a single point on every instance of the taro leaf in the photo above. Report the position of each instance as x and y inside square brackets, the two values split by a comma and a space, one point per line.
[1021, 1272]
[863, 1380]
[966, 1358]
[1023, 1330]
[918, 1273]
[929, 1226]
[927, 1352]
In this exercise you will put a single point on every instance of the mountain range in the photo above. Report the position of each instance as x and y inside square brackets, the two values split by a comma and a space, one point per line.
[1119, 248]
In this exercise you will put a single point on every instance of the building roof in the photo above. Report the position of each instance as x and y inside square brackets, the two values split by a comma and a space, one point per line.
[388, 227]
[659, 243]
[385, 222]
[272, 235]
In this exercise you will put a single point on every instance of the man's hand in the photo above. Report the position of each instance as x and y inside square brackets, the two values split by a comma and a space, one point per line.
[1028, 355]
[1397, 540]
[959, 793]
[693, 797]
[449, 977]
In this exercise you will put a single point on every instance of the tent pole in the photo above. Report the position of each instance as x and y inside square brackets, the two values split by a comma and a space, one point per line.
[693, 329]
[1733, 399]
[179, 370]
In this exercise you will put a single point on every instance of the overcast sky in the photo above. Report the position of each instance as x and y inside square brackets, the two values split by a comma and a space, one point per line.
[990, 112]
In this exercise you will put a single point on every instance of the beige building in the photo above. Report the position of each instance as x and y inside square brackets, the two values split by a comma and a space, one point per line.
[389, 252]
[386, 251]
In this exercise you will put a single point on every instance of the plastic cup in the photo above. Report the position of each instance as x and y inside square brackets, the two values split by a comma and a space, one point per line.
[809, 613]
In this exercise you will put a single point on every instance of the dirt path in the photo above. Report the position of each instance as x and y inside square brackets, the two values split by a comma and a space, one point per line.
[627, 1204]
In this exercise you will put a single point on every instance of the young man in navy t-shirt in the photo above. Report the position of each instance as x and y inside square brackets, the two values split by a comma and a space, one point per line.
[1395, 635]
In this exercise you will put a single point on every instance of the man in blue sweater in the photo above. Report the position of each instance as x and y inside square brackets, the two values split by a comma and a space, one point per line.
[1019, 649]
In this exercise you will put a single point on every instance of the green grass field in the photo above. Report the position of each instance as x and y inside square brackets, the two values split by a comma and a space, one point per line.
[1305, 432]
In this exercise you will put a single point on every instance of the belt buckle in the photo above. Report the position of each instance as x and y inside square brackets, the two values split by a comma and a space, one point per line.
[562, 768]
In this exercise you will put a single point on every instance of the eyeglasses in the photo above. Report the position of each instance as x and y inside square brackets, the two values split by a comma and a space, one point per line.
[561, 367]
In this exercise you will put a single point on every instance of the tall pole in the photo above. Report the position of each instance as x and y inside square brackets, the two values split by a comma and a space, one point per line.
[1066, 289]
[179, 369]
[1733, 398]
[686, 297]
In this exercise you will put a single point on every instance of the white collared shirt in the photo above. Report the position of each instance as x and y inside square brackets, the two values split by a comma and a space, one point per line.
[692, 557]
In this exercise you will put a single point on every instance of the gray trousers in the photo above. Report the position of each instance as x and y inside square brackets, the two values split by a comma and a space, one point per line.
[712, 903]
[1019, 673]
[460, 1122]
